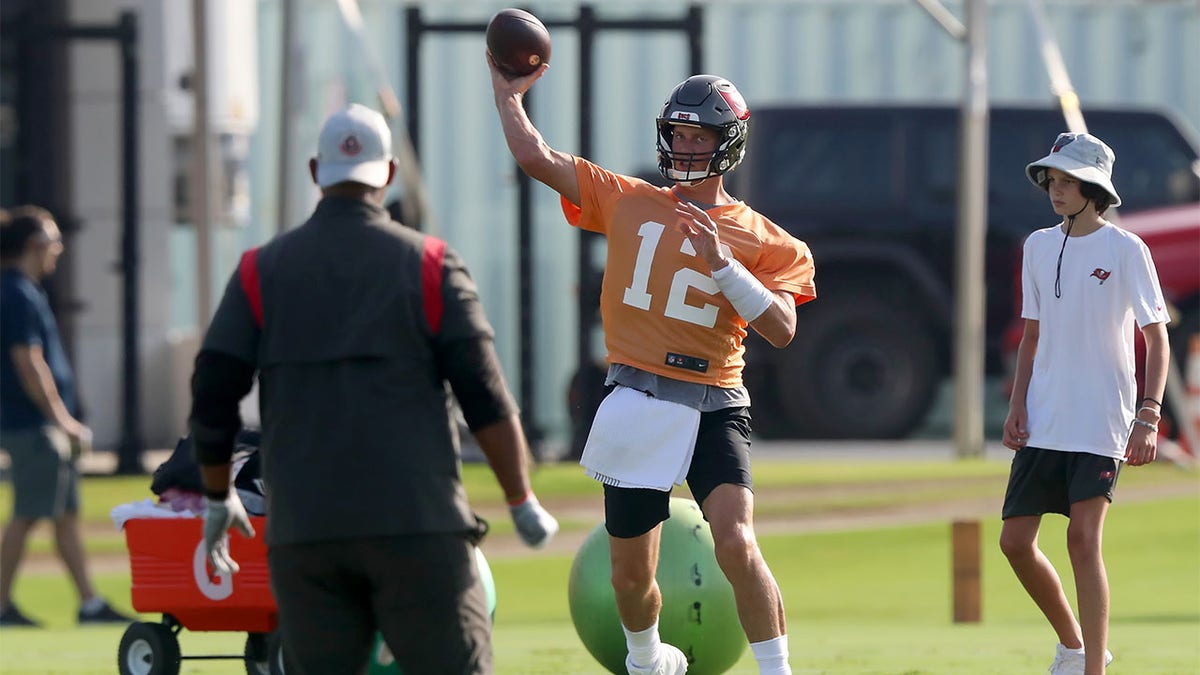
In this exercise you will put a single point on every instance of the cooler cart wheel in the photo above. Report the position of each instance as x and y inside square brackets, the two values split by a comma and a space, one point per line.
[257, 654]
[148, 649]
[275, 654]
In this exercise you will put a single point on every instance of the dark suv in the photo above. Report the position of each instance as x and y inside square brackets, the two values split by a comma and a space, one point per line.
[873, 191]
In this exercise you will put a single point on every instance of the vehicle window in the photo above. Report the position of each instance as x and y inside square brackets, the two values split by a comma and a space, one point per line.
[1153, 167]
[938, 147]
[828, 164]
[1011, 147]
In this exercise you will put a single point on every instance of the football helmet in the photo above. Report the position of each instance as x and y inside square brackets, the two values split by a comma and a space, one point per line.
[710, 102]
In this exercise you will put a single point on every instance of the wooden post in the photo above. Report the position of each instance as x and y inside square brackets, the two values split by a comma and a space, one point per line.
[968, 600]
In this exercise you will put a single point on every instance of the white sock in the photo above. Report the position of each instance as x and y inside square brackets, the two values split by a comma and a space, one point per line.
[772, 656]
[92, 605]
[643, 645]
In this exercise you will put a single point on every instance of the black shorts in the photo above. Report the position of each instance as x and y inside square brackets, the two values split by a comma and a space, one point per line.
[1049, 481]
[422, 592]
[722, 455]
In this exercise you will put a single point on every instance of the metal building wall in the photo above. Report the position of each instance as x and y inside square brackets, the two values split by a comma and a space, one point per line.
[1117, 51]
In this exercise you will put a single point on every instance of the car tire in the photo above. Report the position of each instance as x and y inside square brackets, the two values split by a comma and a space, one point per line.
[858, 368]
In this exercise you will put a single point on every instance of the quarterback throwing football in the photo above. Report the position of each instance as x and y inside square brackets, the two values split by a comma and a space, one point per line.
[689, 269]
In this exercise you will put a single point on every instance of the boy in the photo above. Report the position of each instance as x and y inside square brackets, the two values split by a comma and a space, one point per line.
[1075, 415]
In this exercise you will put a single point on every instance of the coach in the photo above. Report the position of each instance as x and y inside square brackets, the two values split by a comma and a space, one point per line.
[354, 325]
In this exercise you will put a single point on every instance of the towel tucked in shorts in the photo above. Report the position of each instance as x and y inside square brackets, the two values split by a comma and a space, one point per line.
[638, 441]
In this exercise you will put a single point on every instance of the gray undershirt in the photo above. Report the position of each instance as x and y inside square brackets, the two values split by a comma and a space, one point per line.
[702, 397]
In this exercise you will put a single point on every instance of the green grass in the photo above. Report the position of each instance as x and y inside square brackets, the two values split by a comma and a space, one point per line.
[868, 601]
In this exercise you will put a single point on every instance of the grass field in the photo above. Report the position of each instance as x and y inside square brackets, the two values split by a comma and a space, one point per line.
[864, 600]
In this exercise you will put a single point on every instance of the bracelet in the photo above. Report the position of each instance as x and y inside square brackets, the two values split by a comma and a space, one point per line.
[1151, 400]
[1147, 408]
[1148, 425]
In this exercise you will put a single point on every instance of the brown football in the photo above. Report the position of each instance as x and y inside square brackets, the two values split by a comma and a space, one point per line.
[518, 42]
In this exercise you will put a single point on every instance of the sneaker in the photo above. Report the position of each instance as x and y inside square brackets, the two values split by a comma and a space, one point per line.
[12, 617]
[1071, 661]
[670, 661]
[106, 614]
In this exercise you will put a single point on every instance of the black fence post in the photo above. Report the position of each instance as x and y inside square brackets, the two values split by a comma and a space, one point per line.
[129, 456]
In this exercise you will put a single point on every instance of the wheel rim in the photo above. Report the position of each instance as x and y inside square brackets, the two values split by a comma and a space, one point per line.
[140, 658]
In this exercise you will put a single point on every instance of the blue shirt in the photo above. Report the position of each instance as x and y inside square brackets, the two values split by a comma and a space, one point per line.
[26, 319]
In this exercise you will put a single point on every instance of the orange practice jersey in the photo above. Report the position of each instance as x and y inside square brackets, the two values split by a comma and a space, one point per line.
[662, 311]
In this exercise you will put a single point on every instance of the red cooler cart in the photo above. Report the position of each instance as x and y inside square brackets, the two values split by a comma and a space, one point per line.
[171, 575]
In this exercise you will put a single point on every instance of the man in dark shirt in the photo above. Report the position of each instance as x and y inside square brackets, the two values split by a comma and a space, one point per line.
[39, 414]
[354, 325]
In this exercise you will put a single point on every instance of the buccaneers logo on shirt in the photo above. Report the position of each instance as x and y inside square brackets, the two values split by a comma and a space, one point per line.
[1100, 274]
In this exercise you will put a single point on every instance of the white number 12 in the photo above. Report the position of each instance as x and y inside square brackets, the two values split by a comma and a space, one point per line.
[637, 296]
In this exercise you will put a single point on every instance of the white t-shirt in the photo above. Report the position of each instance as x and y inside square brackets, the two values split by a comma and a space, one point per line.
[1082, 393]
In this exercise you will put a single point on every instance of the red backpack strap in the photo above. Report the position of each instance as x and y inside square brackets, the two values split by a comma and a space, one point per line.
[432, 258]
[251, 284]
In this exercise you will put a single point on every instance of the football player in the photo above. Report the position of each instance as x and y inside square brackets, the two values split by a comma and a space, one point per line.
[689, 269]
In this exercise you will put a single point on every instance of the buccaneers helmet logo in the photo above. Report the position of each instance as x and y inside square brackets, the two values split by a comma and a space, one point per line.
[1100, 274]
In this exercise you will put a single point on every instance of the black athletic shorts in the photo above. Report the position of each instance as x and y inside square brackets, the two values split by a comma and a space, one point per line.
[722, 455]
[1049, 481]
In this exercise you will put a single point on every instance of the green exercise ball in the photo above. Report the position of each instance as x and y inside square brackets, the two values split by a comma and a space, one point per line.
[698, 615]
[489, 587]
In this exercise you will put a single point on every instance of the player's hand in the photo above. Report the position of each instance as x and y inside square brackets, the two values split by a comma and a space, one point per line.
[219, 517]
[1142, 447]
[517, 86]
[1016, 429]
[695, 224]
[534, 524]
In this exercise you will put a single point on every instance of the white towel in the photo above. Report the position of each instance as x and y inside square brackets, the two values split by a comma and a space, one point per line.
[145, 509]
[638, 441]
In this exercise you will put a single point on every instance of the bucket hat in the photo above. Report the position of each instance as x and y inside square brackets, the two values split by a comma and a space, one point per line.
[1082, 156]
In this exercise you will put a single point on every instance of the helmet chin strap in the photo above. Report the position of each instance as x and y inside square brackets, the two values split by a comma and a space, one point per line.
[1058, 268]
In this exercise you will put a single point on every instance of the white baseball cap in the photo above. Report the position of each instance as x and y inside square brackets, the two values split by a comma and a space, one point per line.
[355, 145]
[1082, 156]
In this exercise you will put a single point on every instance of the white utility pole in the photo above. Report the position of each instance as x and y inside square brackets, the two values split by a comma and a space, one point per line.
[201, 198]
[283, 193]
[971, 234]
[969, 295]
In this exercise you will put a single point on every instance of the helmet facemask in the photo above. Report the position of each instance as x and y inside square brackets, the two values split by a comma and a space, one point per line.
[708, 102]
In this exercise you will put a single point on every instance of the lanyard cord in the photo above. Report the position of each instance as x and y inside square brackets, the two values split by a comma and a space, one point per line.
[1058, 269]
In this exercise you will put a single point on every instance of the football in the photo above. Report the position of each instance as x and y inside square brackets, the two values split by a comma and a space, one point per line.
[518, 42]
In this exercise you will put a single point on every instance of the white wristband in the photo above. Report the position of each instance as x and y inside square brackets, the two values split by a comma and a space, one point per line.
[747, 294]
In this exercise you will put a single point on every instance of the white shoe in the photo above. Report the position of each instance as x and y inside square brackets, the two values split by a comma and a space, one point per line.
[1072, 661]
[670, 661]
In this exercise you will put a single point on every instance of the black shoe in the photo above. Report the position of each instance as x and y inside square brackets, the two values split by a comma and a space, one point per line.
[106, 614]
[12, 616]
